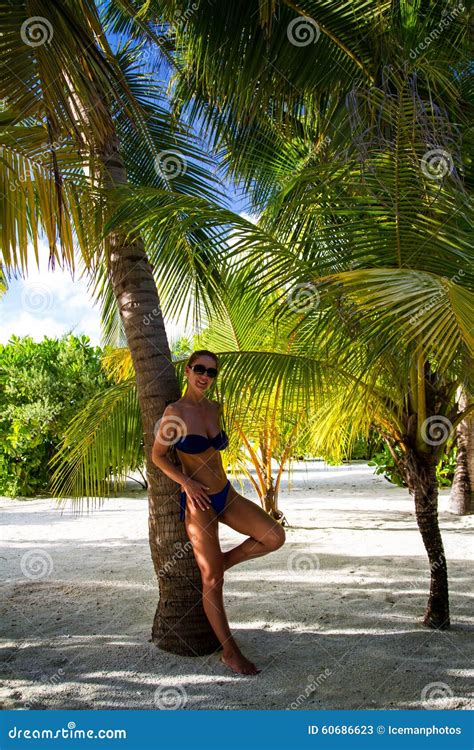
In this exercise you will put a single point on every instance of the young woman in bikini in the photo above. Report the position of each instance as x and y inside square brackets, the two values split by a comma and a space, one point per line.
[192, 424]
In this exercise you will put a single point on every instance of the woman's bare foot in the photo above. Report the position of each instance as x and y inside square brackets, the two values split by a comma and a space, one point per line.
[237, 662]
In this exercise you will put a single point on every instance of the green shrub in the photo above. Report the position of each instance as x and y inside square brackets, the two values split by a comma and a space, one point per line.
[42, 385]
[385, 464]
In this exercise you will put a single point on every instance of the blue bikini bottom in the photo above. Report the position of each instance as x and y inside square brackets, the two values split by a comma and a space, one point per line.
[218, 500]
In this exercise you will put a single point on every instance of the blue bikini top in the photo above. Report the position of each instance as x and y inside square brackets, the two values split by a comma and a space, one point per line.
[193, 443]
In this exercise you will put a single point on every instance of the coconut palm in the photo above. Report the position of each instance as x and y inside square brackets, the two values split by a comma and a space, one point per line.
[406, 312]
[361, 319]
[77, 122]
[275, 135]
[351, 146]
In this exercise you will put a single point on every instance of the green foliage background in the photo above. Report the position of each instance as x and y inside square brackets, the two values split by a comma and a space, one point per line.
[42, 385]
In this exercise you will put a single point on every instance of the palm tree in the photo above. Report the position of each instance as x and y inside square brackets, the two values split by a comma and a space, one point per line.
[348, 144]
[462, 491]
[78, 124]
[346, 350]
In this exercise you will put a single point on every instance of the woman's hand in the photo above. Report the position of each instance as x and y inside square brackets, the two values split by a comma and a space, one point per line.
[196, 491]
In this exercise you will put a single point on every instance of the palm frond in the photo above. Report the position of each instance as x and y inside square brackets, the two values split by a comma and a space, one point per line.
[101, 445]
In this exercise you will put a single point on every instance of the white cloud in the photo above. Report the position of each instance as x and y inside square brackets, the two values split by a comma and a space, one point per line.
[46, 302]
[30, 325]
[51, 303]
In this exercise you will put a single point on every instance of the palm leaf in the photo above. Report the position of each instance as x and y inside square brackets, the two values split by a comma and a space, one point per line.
[104, 439]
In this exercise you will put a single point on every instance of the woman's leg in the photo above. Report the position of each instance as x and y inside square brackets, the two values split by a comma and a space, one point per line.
[246, 517]
[202, 529]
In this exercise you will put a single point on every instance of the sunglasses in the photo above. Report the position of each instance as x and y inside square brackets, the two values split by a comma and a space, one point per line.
[200, 370]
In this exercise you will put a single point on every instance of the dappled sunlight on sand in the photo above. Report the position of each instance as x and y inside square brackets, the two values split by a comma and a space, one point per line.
[342, 600]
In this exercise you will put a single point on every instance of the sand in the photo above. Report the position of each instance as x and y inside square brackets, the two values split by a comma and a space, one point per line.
[333, 618]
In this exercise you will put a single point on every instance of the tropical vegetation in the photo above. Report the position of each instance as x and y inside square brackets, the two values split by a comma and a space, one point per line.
[352, 289]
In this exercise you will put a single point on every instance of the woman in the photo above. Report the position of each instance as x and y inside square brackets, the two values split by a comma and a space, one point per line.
[192, 424]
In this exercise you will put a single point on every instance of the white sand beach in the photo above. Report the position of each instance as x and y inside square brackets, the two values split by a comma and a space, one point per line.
[332, 617]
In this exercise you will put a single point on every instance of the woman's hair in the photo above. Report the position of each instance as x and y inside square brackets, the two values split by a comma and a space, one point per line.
[200, 352]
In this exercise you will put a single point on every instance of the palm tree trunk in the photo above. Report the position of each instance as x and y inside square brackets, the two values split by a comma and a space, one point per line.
[461, 501]
[421, 471]
[269, 499]
[180, 624]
